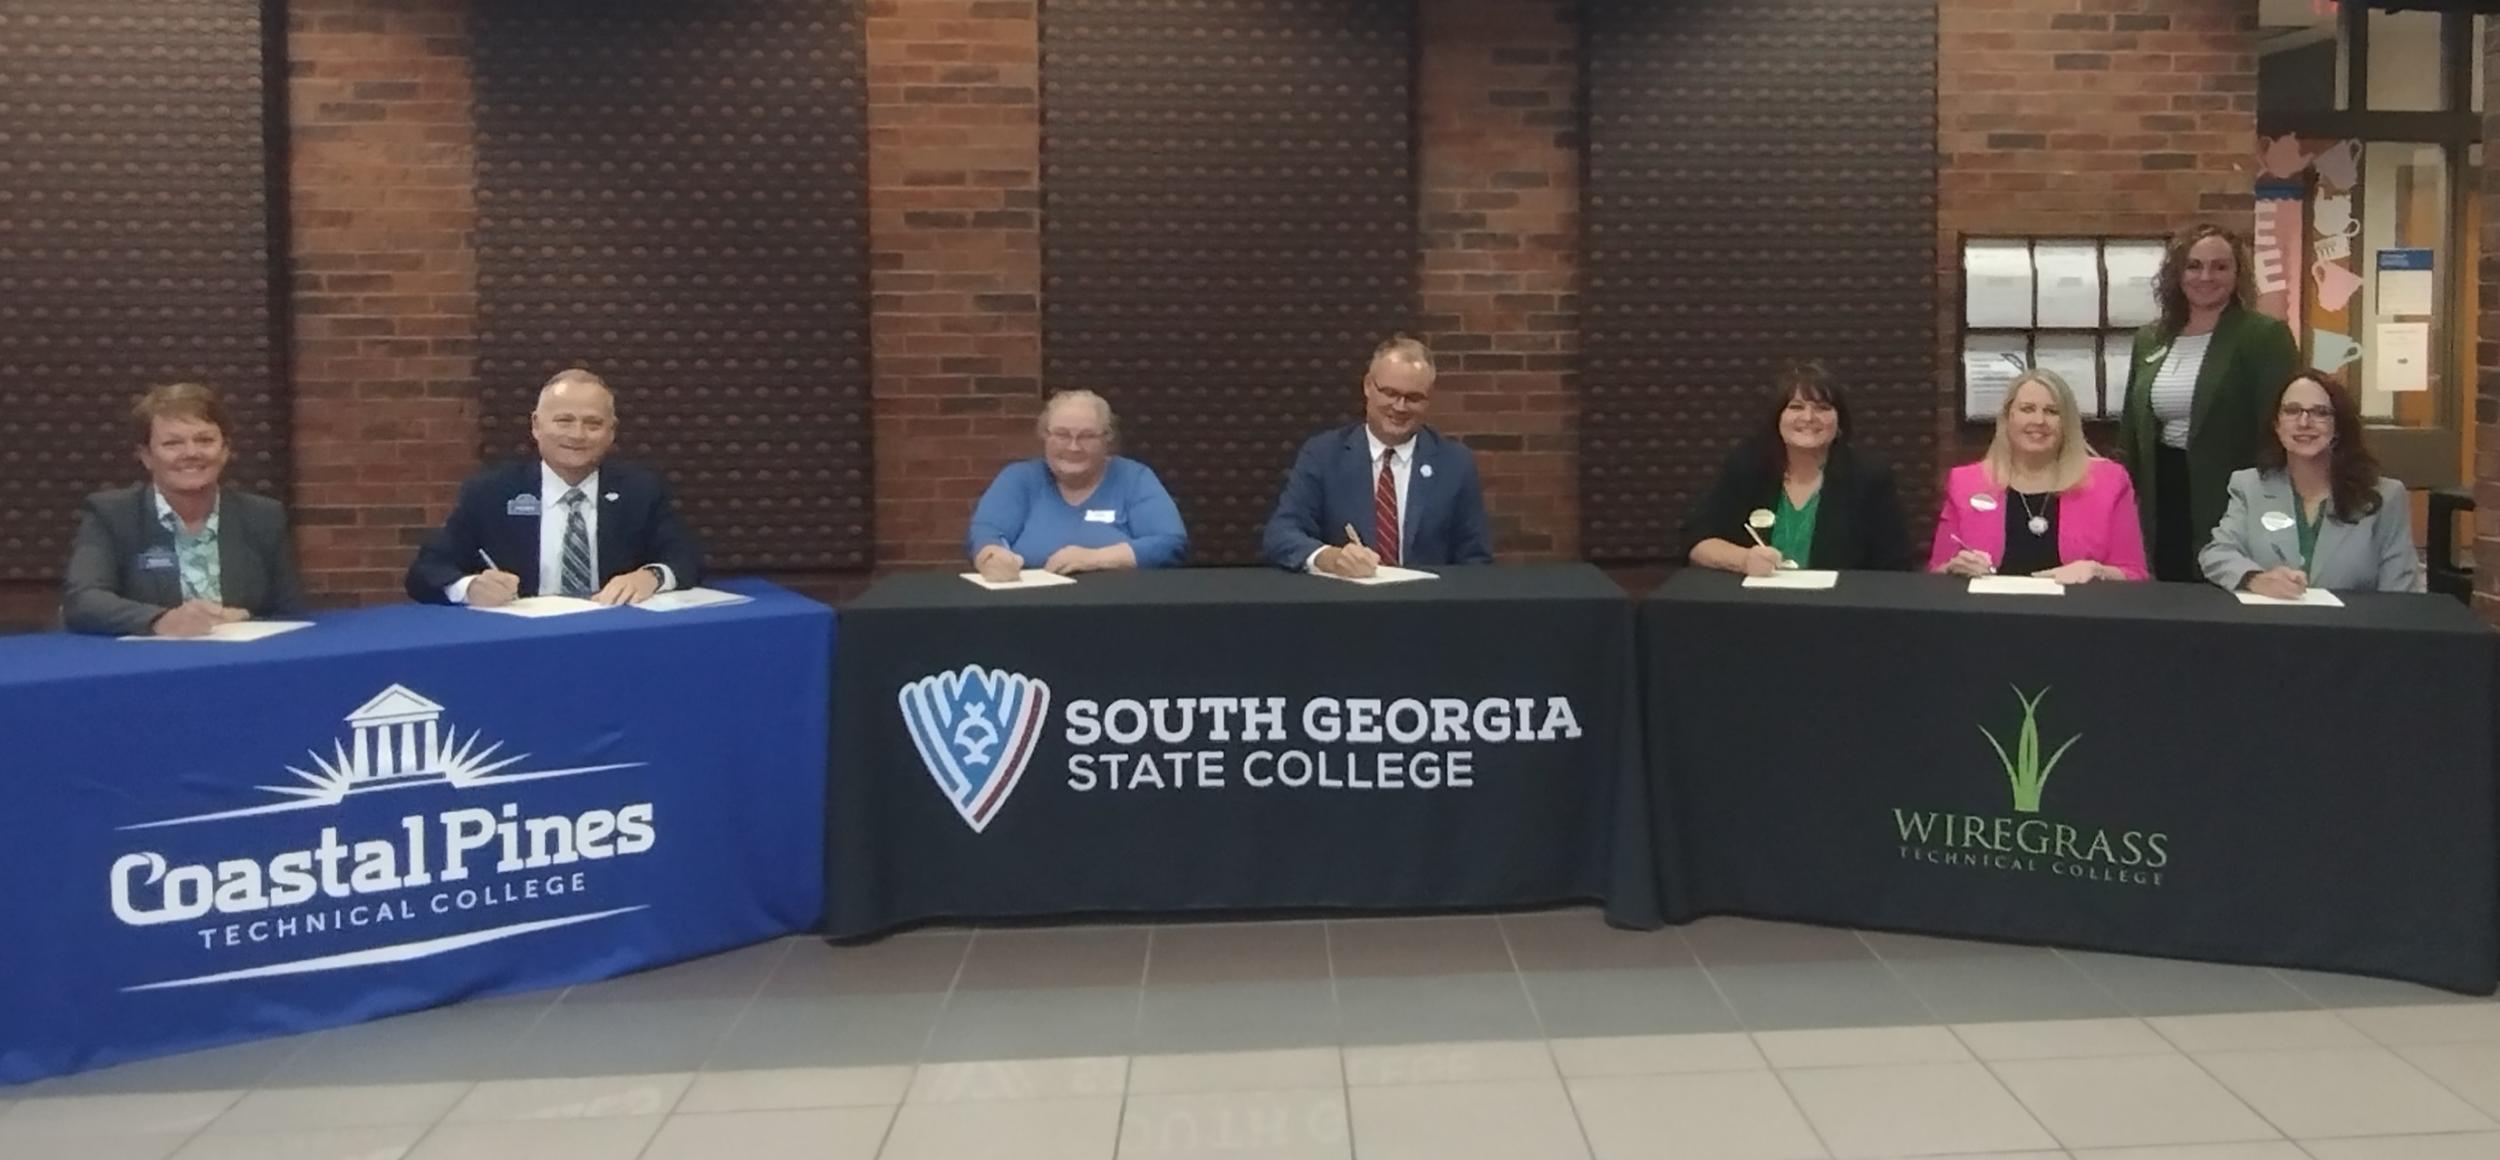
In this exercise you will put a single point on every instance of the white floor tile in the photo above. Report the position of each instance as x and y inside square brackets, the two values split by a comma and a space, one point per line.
[1019, 1079]
[2342, 1092]
[1236, 1071]
[2471, 1070]
[2119, 1101]
[1478, 1062]
[43, 1146]
[1081, 1129]
[119, 1114]
[778, 1088]
[2245, 1150]
[1309, 1124]
[2258, 1031]
[589, 1097]
[2470, 1146]
[785, 1134]
[1658, 1054]
[363, 1143]
[1731, 1115]
[1504, 1120]
[2438, 1023]
[608, 1139]
[1913, 1109]
[1861, 1046]
[345, 1106]
[2061, 1039]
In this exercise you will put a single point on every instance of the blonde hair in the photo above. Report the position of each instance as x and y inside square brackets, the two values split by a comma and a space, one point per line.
[1405, 349]
[1102, 406]
[2074, 454]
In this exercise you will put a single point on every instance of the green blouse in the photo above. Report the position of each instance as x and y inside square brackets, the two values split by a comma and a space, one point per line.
[1792, 528]
[2308, 531]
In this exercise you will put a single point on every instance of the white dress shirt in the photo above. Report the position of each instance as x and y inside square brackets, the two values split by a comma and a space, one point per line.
[552, 518]
[1401, 469]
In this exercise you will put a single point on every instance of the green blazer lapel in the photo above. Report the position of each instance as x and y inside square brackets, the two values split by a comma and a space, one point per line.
[2219, 351]
[239, 580]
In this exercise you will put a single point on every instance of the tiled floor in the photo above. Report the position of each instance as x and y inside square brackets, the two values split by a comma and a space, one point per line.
[1522, 1037]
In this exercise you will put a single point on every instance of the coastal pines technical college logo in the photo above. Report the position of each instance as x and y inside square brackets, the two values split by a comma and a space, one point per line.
[367, 886]
[975, 730]
[2021, 840]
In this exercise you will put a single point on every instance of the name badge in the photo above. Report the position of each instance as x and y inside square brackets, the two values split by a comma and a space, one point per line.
[1983, 502]
[1101, 515]
[524, 504]
[156, 560]
[2275, 521]
[2155, 355]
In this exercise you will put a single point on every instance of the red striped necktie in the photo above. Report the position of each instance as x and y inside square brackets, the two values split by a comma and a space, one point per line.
[1385, 510]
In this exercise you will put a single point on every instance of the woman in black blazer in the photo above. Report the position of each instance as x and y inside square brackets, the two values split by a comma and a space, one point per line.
[1794, 493]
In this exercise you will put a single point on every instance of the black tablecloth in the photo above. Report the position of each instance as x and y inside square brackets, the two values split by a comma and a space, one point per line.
[2304, 787]
[1283, 810]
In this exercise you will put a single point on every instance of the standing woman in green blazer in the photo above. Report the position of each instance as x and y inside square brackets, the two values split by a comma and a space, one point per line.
[2198, 389]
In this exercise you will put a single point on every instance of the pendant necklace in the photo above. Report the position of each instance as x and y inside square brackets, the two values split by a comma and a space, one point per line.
[2038, 523]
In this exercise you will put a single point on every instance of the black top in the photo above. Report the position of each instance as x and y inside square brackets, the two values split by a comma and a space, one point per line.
[1859, 526]
[2026, 554]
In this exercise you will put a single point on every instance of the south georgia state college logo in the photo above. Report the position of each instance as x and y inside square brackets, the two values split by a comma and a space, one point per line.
[975, 730]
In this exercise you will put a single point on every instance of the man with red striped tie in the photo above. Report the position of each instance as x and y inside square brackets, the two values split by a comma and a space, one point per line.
[1389, 489]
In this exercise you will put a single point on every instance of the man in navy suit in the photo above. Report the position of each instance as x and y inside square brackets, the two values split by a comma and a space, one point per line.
[566, 524]
[1387, 490]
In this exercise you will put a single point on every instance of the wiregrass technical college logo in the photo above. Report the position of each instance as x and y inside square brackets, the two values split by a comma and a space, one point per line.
[977, 728]
[2020, 840]
[483, 856]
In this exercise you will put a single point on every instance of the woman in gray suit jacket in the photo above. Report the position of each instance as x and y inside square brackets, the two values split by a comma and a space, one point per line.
[2314, 512]
[180, 554]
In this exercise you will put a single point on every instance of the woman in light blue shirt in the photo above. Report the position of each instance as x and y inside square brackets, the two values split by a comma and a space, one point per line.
[1078, 508]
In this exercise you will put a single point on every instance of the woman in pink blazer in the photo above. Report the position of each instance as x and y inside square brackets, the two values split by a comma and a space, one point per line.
[2041, 503]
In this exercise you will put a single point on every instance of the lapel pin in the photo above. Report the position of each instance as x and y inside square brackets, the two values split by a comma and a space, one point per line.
[1426, 469]
[611, 497]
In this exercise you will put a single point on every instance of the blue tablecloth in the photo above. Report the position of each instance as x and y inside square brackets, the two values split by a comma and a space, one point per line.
[393, 809]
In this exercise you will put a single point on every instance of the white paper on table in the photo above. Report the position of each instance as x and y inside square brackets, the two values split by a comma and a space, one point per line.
[685, 598]
[1989, 364]
[2311, 597]
[2404, 282]
[2069, 283]
[2132, 266]
[1029, 578]
[1796, 578]
[1996, 282]
[239, 632]
[2117, 356]
[2015, 586]
[2077, 359]
[1384, 574]
[2400, 359]
[534, 607]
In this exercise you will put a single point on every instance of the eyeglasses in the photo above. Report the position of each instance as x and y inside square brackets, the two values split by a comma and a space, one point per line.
[1413, 400]
[2295, 412]
[1075, 438]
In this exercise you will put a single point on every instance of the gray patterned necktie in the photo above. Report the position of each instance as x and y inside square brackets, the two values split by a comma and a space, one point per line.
[577, 572]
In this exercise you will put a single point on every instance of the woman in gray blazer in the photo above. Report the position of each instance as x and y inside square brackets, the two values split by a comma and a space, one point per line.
[2314, 512]
[180, 554]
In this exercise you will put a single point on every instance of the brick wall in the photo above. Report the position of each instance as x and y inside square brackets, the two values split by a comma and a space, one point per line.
[2486, 404]
[385, 292]
[2091, 117]
[1498, 95]
[954, 194]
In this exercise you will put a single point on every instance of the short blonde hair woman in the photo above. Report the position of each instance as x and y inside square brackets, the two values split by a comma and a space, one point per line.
[2040, 503]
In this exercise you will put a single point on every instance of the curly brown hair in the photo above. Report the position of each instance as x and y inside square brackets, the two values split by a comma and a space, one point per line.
[2174, 256]
[2351, 469]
